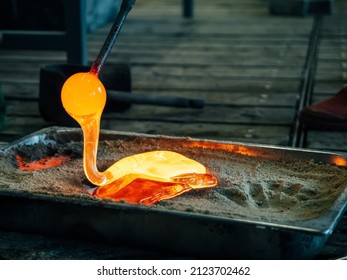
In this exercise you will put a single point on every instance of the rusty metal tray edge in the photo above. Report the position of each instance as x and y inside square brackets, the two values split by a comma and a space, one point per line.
[326, 223]
[319, 229]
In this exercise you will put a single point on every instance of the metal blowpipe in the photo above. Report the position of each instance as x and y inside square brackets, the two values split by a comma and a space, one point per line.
[125, 8]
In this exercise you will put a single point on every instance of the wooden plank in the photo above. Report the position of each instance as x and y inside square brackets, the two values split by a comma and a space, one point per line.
[167, 41]
[217, 115]
[232, 98]
[327, 140]
[216, 84]
[203, 5]
[213, 25]
[328, 74]
[155, 58]
[320, 97]
[227, 124]
[20, 126]
[21, 91]
[273, 135]
[30, 91]
[219, 71]
[20, 108]
[163, 81]
[329, 86]
[30, 69]
[186, 51]
[208, 114]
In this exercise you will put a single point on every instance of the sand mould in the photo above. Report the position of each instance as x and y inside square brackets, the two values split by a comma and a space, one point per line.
[249, 187]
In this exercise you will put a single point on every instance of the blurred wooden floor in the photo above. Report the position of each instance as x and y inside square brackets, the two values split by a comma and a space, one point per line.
[247, 65]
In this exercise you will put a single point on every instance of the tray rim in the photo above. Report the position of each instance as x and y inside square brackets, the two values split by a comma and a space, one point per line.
[330, 218]
[28, 139]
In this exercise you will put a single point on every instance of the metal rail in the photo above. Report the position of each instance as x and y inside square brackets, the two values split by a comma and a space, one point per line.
[299, 133]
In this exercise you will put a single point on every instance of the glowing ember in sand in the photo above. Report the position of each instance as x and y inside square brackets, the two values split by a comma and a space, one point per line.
[143, 178]
[43, 163]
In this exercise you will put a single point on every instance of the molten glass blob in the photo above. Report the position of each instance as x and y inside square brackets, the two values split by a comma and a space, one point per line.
[143, 178]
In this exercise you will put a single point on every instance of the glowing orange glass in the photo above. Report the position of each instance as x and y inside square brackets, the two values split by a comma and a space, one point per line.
[148, 177]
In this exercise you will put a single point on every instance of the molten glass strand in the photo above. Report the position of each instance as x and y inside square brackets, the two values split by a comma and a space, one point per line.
[164, 174]
[84, 97]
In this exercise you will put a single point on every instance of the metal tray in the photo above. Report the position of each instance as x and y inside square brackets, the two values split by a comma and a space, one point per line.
[194, 234]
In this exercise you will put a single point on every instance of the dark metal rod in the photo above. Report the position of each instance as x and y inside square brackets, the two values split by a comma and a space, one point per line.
[299, 133]
[105, 50]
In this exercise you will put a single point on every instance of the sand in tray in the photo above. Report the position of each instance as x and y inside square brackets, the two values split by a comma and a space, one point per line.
[249, 187]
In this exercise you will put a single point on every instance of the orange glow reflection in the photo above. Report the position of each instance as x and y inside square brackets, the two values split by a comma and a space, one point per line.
[339, 161]
[148, 177]
[43, 163]
[237, 149]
